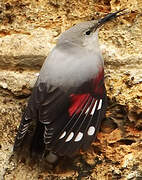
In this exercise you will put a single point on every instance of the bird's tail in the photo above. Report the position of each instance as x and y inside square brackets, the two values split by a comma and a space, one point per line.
[22, 131]
[37, 144]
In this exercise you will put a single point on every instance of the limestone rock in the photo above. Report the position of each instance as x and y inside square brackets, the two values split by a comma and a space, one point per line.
[28, 31]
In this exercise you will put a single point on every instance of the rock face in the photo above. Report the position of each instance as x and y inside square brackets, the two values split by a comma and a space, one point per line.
[28, 31]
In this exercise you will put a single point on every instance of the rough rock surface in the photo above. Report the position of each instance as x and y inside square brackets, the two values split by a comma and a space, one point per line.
[28, 31]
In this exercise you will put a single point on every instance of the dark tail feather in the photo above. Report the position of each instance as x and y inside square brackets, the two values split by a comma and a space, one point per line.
[29, 137]
[37, 144]
[22, 131]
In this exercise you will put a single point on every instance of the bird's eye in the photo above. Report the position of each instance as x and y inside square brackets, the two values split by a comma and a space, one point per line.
[88, 32]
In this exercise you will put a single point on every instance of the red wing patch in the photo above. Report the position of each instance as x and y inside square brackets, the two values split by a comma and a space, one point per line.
[98, 84]
[77, 103]
[85, 116]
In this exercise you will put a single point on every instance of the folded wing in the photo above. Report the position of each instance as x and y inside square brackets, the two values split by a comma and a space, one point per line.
[69, 120]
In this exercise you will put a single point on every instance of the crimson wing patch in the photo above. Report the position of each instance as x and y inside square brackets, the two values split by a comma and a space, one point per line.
[79, 130]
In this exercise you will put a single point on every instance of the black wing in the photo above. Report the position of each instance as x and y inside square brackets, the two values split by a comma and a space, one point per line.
[65, 121]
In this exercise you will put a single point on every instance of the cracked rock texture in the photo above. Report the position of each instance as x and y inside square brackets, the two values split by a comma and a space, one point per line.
[28, 31]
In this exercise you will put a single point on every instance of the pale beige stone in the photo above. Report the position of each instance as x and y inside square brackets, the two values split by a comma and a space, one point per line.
[28, 31]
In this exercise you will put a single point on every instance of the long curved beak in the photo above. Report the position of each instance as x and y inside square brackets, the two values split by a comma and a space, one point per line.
[108, 18]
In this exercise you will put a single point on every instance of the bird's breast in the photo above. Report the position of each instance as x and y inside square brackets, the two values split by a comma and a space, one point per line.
[71, 69]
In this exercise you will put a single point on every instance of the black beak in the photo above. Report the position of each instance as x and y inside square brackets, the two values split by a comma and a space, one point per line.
[110, 17]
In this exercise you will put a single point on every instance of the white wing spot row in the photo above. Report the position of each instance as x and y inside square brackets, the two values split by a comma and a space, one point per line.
[94, 107]
[79, 136]
[71, 135]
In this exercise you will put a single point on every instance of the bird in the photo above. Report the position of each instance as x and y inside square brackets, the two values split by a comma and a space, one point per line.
[68, 101]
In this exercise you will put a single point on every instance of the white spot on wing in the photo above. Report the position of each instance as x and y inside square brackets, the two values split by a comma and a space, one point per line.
[62, 135]
[78, 137]
[87, 110]
[70, 136]
[100, 104]
[93, 110]
[91, 130]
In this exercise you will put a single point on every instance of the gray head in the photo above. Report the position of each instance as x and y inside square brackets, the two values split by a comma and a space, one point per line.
[77, 57]
[82, 33]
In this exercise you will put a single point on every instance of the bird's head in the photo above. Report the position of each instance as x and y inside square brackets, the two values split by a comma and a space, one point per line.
[86, 32]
